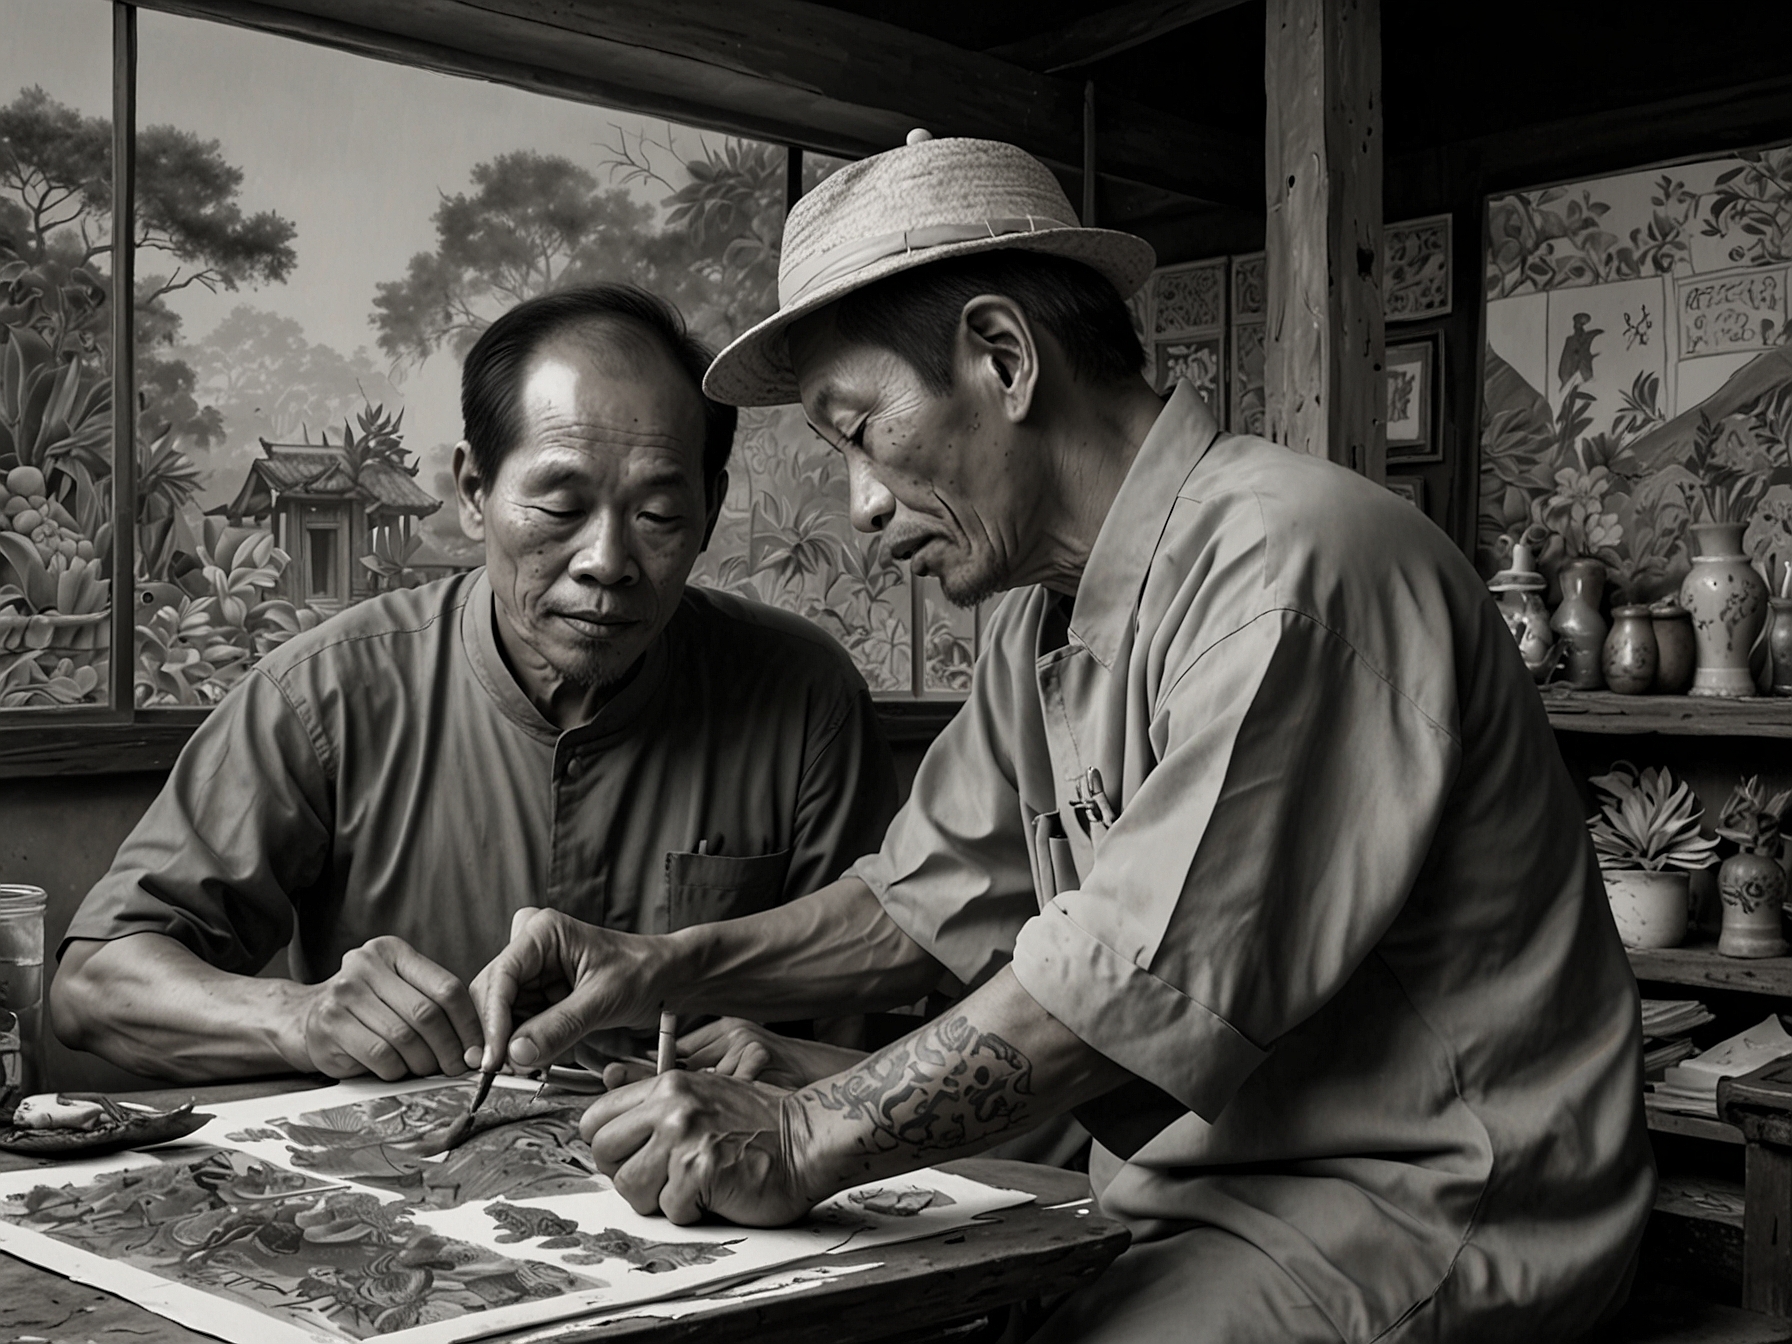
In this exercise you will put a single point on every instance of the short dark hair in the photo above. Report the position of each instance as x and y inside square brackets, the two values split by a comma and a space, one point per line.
[491, 378]
[914, 314]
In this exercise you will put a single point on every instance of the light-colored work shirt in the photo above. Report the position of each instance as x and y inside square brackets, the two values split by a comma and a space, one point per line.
[1333, 900]
[384, 774]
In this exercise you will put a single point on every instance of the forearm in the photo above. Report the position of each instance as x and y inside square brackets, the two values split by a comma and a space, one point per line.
[990, 1067]
[148, 1004]
[825, 955]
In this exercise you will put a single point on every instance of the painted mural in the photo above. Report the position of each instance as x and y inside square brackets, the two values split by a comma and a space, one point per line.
[1636, 372]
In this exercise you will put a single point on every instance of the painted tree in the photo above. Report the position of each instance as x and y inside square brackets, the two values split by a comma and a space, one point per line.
[535, 223]
[56, 227]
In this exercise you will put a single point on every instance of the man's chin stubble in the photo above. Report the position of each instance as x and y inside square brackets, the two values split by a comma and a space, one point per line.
[971, 590]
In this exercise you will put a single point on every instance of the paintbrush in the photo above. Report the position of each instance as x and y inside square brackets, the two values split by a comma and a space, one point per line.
[484, 1090]
[458, 1130]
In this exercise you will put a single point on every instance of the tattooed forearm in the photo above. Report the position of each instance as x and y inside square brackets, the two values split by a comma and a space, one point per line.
[943, 1089]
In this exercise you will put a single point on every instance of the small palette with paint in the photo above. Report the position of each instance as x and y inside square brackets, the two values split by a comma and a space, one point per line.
[87, 1124]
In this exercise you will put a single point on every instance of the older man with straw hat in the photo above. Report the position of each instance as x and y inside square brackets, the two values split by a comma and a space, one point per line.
[1251, 844]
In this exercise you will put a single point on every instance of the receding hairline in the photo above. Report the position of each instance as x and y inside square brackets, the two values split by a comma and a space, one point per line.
[621, 347]
[618, 345]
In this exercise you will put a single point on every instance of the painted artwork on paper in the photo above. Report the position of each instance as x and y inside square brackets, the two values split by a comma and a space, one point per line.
[1636, 374]
[1412, 398]
[341, 1214]
[521, 1148]
[324, 1256]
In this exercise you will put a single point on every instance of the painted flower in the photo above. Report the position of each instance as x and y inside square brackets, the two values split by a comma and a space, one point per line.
[1738, 451]
[1604, 533]
[1577, 511]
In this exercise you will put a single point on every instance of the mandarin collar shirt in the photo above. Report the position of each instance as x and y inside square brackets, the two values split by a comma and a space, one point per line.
[1272, 816]
[385, 774]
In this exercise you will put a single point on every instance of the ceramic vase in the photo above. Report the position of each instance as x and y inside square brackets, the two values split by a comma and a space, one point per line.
[1728, 602]
[1676, 653]
[1753, 887]
[1578, 622]
[1526, 617]
[1779, 644]
[1630, 655]
[1650, 909]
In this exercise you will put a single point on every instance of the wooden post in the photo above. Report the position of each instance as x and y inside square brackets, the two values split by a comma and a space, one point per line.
[1323, 389]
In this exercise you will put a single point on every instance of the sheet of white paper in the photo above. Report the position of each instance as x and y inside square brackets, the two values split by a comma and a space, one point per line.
[310, 1218]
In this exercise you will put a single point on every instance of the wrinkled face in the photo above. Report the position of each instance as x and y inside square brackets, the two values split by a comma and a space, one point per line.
[935, 475]
[595, 518]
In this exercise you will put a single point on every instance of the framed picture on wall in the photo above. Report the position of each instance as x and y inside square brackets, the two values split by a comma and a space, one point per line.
[1411, 374]
[1409, 488]
[1416, 259]
[1186, 321]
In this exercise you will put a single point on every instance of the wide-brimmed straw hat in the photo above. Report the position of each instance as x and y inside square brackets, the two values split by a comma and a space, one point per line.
[894, 211]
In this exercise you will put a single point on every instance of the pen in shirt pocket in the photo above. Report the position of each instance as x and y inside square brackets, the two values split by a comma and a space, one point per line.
[1100, 806]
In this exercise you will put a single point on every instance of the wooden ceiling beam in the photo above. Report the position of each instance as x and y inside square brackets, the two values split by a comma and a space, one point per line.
[789, 71]
[1107, 33]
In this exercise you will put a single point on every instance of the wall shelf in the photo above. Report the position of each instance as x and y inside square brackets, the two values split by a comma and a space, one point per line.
[1705, 967]
[1691, 1126]
[1682, 715]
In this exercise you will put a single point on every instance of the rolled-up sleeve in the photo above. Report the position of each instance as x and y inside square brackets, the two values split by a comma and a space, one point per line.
[1292, 805]
[242, 825]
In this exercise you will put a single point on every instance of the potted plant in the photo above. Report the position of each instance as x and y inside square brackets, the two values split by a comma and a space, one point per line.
[1751, 881]
[1648, 842]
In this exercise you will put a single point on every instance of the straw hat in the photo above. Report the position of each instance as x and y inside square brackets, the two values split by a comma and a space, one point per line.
[927, 201]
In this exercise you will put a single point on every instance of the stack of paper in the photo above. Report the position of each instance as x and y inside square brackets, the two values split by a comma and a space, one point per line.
[1691, 1087]
[1664, 1019]
[1666, 1023]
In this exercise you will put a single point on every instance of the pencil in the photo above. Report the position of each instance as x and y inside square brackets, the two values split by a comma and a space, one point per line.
[668, 1056]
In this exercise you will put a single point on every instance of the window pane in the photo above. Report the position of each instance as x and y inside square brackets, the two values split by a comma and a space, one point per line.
[55, 353]
[307, 377]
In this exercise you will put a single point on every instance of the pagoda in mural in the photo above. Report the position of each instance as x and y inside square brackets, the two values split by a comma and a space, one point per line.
[326, 502]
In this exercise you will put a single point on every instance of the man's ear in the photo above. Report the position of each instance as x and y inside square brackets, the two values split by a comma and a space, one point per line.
[713, 508]
[996, 348]
[469, 493]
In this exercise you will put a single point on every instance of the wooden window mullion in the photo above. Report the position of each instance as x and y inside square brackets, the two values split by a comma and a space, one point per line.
[122, 660]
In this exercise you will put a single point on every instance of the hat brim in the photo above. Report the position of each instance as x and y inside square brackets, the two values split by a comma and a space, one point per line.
[755, 368]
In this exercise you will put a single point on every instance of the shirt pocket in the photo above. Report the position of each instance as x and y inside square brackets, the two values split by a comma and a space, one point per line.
[702, 888]
[1054, 867]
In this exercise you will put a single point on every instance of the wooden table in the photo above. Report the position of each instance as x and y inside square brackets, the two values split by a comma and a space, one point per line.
[1032, 1251]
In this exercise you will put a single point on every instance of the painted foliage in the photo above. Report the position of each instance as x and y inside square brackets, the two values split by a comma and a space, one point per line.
[1636, 376]
[354, 1213]
[316, 1254]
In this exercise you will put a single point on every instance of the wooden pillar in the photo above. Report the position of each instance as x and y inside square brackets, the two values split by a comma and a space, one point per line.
[1322, 371]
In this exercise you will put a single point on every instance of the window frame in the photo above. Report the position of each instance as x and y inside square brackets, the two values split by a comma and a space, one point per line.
[119, 737]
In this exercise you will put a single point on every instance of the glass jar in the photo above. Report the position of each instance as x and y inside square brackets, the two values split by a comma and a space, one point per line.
[21, 994]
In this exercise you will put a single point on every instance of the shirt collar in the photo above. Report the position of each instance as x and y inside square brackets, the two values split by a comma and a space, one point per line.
[1114, 576]
[480, 638]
